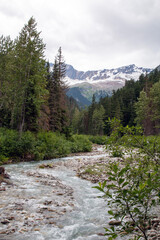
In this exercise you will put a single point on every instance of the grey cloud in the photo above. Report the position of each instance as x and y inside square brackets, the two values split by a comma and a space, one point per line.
[94, 33]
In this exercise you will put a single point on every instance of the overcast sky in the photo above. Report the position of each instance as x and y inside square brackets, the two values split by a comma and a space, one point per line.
[93, 34]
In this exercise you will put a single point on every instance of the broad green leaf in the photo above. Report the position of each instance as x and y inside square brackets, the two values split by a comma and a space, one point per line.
[110, 212]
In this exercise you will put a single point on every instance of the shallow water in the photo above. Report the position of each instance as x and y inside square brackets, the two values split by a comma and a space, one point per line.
[75, 213]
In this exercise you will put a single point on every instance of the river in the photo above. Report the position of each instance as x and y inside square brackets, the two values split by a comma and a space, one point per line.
[50, 204]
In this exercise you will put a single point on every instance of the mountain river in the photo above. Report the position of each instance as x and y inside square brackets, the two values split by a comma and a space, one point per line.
[50, 204]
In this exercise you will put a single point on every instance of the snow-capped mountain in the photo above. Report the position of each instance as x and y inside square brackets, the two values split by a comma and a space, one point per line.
[100, 82]
[120, 75]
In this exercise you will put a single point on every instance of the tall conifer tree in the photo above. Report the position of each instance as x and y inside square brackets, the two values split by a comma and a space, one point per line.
[29, 78]
[6, 48]
[57, 99]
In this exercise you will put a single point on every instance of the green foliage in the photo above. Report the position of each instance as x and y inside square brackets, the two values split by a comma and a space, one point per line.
[101, 140]
[133, 187]
[148, 110]
[116, 151]
[80, 143]
[50, 145]
[132, 192]
[23, 82]
[123, 106]
[57, 98]
[3, 159]
[43, 145]
[97, 120]
[142, 108]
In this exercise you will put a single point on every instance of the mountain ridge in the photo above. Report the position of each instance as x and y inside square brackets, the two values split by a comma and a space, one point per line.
[99, 82]
[124, 72]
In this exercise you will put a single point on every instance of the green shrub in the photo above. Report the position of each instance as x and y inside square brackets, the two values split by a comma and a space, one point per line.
[116, 151]
[3, 159]
[101, 140]
[80, 143]
[8, 142]
[26, 144]
[50, 145]
[43, 145]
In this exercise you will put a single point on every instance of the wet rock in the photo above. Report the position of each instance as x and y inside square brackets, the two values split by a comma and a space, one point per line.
[2, 189]
[152, 233]
[3, 232]
[156, 220]
[60, 193]
[4, 177]
[3, 173]
[10, 218]
[115, 222]
[2, 170]
[37, 229]
[52, 222]
[5, 221]
[100, 234]
[47, 202]
[18, 206]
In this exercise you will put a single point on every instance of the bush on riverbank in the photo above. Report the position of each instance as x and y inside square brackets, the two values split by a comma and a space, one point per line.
[80, 143]
[43, 145]
[101, 140]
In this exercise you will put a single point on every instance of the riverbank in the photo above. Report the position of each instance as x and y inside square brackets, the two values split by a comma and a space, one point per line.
[90, 166]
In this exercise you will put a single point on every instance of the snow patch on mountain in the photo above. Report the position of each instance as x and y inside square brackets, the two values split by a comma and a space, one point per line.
[99, 77]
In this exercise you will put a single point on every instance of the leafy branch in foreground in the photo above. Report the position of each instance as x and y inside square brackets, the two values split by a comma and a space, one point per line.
[131, 194]
[133, 189]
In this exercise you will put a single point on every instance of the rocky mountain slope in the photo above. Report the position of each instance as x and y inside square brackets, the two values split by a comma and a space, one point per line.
[82, 85]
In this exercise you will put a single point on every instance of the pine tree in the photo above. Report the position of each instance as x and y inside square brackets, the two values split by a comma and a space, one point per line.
[57, 95]
[43, 121]
[98, 121]
[29, 78]
[6, 47]
[89, 123]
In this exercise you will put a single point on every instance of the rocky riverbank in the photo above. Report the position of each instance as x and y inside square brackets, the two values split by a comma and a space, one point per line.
[21, 211]
[91, 166]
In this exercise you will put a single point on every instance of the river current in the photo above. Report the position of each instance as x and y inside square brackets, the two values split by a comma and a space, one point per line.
[50, 204]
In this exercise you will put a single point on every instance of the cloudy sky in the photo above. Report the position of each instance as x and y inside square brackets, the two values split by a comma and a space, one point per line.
[93, 34]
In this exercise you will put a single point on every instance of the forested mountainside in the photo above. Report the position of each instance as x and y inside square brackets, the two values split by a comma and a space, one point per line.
[136, 103]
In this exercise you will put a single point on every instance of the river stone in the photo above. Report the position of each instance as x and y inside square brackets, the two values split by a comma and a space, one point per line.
[2, 170]
[5, 221]
[152, 233]
[115, 222]
[155, 221]
[47, 202]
